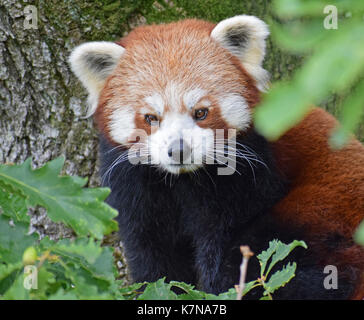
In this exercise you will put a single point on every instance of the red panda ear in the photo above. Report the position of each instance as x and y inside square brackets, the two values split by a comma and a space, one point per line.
[92, 63]
[244, 36]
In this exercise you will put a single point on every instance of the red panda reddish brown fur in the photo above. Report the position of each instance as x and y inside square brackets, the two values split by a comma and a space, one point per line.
[327, 186]
[321, 177]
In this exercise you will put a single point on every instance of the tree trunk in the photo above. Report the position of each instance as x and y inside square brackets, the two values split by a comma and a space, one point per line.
[42, 103]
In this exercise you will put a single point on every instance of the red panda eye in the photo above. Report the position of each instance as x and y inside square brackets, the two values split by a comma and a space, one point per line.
[150, 118]
[201, 114]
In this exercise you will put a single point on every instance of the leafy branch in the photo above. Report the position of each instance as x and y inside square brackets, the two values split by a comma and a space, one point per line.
[65, 198]
[335, 64]
[276, 252]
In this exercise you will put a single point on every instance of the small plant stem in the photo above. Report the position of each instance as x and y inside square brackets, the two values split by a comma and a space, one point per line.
[43, 258]
[245, 251]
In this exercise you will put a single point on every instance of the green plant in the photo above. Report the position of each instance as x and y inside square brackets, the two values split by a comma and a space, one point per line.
[82, 268]
[334, 65]
[276, 252]
[69, 269]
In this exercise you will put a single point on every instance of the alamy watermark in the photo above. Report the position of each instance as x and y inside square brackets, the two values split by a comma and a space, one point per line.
[331, 20]
[30, 17]
[331, 280]
[30, 277]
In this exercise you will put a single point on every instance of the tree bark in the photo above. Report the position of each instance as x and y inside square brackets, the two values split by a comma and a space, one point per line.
[42, 103]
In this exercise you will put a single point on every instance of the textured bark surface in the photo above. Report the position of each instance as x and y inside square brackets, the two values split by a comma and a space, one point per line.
[41, 102]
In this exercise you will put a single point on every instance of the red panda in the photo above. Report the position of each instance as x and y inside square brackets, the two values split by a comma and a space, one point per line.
[184, 94]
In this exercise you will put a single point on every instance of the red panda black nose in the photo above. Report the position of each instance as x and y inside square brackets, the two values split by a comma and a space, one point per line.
[179, 150]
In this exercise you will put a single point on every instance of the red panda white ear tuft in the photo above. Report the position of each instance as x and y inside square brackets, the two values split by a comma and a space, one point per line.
[244, 36]
[92, 63]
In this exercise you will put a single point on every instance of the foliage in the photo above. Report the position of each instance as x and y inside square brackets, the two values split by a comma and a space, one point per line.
[276, 252]
[64, 197]
[335, 64]
[67, 269]
[81, 268]
[359, 235]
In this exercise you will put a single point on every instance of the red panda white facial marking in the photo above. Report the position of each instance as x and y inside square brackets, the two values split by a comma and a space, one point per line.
[156, 102]
[122, 124]
[168, 73]
[191, 97]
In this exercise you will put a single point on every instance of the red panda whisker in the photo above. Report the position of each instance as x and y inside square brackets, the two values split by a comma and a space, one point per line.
[117, 147]
[248, 149]
[108, 171]
[248, 160]
[238, 153]
[220, 162]
[120, 159]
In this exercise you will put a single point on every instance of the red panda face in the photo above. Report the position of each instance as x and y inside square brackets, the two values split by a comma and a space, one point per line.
[174, 86]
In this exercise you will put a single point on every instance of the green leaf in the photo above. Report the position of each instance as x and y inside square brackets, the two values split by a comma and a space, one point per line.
[191, 293]
[159, 290]
[65, 199]
[130, 292]
[84, 287]
[81, 267]
[8, 274]
[80, 249]
[89, 254]
[292, 8]
[264, 256]
[229, 295]
[17, 291]
[302, 8]
[8, 269]
[338, 61]
[45, 282]
[14, 240]
[351, 114]
[359, 234]
[280, 278]
[61, 294]
[13, 206]
[280, 110]
[249, 286]
[334, 67]
[84, 266]
[283, 250]
[298, 36]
